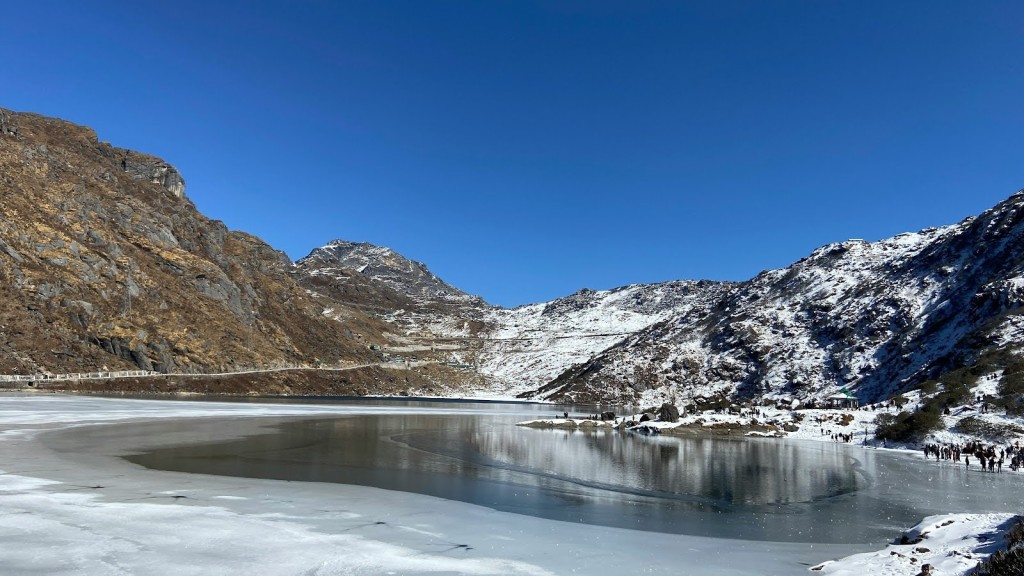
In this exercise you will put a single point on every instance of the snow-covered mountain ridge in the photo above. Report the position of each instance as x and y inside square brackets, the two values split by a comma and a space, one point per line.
[875, 318]
[526, 347]
[516, 349]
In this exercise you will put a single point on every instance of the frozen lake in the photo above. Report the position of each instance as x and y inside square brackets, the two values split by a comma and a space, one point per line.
[749, 489]
[703, 507]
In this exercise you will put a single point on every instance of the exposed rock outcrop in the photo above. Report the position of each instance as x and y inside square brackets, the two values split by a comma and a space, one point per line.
[105, 264]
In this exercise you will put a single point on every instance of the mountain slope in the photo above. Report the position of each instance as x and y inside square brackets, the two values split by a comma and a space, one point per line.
[876, 318]
[105, 263]
[526, 347]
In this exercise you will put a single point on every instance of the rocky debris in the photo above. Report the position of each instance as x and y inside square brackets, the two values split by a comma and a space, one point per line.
[351, 287]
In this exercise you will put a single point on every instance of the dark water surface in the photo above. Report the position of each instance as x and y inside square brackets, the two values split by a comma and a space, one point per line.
[752, 489]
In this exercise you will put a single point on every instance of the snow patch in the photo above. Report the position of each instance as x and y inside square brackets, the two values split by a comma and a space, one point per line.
[953, 544]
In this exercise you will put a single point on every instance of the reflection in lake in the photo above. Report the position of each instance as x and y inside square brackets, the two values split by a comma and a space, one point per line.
[761, 489]
[712, 472]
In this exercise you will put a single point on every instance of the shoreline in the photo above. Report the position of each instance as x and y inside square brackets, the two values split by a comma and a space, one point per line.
[214, 396]
[99, 506]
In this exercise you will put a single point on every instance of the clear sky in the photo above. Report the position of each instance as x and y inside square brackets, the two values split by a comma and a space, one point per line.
[525, 150]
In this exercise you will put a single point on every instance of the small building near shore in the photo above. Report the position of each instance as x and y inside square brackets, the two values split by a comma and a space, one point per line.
[843, 401]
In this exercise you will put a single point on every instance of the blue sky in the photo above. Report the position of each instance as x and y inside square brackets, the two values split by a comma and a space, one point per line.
[525, 150]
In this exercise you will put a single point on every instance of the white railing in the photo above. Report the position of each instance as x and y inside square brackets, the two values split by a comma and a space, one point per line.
[76, 376]
[114, 374]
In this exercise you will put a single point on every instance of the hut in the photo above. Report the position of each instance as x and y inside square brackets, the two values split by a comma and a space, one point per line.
[844, 400]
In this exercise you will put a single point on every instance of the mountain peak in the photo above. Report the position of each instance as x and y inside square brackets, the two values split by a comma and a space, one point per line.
[41, 132]
[384, 265]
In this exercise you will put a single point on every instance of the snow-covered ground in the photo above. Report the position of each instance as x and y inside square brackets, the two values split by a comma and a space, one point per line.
[859, 424]
[526, 347]
[530, 345]
[951, 544]
[75, 508]
[871, 317]
[853, 426]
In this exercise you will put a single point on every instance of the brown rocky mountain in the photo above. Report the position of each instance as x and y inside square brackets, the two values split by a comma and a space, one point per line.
[106, 264]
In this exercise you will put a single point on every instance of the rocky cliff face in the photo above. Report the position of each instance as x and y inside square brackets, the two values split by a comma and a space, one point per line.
[105, 263]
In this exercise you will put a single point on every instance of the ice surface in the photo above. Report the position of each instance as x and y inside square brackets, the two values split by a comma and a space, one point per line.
[89, 512]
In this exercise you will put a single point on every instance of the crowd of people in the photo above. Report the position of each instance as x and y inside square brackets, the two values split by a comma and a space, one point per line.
[989, 457]
[838, 436]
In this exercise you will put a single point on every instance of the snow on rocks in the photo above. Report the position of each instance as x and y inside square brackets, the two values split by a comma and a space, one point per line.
[567, 423]
[856, 426]
[950, 544]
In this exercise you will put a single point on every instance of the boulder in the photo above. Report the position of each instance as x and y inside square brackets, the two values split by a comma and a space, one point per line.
[140, 357]
[668, 413]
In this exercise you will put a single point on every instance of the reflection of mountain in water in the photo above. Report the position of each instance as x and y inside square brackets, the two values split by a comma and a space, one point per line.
[719, 471]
